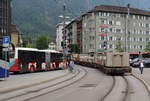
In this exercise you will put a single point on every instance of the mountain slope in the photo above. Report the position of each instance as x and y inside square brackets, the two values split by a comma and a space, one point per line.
[41, 16]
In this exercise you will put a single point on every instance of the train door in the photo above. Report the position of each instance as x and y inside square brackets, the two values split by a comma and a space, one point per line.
[48, 60]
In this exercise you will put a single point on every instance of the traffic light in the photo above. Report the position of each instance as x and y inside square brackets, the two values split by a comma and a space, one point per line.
[105, 44]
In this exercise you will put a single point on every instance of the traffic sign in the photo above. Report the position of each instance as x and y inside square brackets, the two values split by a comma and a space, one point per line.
[6, 41]
[5, 49]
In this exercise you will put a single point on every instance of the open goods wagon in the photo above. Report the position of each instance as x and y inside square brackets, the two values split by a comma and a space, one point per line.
[109, 63]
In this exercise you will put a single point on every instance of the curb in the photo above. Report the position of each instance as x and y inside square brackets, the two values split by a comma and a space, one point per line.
[32, 84]
[143, 81]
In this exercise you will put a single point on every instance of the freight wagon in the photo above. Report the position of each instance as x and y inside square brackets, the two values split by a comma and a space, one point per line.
[31, 60]
[109, 63]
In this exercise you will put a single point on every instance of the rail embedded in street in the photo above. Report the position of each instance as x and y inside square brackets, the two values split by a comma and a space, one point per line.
[53, 87]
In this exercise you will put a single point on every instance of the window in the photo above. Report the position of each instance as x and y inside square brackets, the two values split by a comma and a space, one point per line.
[119, 38]
[118, 23]
[140, 39]
[102, 29]
[141, 47]
[110, 23]
[1, 21]
[103, 21]
[110, 30]
[102, 38]
[134, 31]
[108, 14]
[135, 46]
[147, 25]
[114, 30]
[91, 37]
[133, 16]
[91, 46]
[99, 13]
[147, 32]
[110, 38]
[140, 31]
[118, 30]
[134, 39]
[147, 39]
[110, 46]
[100, 46]
[104, 14]
[146, 18]
[140, 17]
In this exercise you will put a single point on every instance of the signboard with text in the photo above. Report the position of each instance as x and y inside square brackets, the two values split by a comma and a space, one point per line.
[6, 41]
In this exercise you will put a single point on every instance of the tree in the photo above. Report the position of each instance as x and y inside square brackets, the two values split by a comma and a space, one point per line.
[30, 46]
[42, 42]
[147, 48]
[118, 47]
[73, 48]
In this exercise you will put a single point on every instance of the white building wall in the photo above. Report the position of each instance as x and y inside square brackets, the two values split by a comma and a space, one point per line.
[59, 36]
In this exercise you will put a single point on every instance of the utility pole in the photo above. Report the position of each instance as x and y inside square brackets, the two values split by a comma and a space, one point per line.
[95, 37]
[64, 32]
[128, 26]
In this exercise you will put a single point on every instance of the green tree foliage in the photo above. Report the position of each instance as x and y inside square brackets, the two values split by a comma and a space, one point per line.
[118, 47]
[73, 48]
[30, 46]
[147, 48]
[42, 42]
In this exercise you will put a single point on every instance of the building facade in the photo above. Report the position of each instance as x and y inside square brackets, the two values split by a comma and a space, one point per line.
[5, 21]
[115, 28]
[52, 46]
[74, 35]
[16, 38]
[59, 36]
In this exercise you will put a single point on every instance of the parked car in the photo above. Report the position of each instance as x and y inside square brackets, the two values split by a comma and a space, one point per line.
[147, 63]
[136, 62]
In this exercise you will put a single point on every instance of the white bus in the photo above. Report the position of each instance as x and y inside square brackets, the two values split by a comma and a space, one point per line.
[31, 60]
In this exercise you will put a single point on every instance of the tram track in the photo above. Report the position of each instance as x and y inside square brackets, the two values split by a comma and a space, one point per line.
[32, 84]
[147, 87]
[48, 87]
[125, 97]
[110, 89]
[128, 90]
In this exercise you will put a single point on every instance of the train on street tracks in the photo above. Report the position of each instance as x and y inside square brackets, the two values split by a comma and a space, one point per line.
[31, 60]
[108, 62]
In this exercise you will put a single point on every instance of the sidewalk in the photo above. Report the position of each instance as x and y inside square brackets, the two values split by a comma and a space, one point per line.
[145, 77]
[21, 81]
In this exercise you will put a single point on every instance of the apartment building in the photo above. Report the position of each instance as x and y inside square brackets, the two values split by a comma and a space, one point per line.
[112, 27]
[74, 34]
[16, 38]
[5, 21]
[59, 35]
